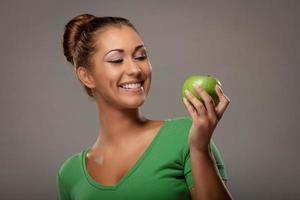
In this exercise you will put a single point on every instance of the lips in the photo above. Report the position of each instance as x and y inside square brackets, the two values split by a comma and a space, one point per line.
[138, 90]
[142, 83]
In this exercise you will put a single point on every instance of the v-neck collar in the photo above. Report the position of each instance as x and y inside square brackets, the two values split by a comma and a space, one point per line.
[127, 174]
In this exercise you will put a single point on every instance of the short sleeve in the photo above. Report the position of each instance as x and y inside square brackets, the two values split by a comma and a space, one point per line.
[188, 171]
[219, 163]
[62, 194]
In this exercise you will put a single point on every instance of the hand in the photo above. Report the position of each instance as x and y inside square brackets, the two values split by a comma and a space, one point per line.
[205, 117]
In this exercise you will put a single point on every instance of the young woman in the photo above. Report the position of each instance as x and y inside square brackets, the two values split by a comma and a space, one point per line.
[135, 157]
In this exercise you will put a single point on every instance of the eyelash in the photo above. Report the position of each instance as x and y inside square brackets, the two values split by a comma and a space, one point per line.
[119, 61]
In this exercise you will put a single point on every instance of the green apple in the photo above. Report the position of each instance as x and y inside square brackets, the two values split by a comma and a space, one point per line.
[207, 82]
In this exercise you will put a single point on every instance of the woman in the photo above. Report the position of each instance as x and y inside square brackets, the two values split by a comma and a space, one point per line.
[135, 157]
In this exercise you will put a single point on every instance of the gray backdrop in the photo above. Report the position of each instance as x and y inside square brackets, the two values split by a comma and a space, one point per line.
[252, 47]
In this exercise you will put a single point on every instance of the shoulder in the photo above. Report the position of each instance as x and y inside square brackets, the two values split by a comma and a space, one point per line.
[180, 122]
[70, 164]
[180, 125]
[177, 130]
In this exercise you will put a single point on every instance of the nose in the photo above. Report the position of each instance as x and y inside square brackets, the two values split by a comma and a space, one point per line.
[133, 68]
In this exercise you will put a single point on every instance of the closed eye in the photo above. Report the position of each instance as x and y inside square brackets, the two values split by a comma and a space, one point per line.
[141, 58]
[119, 61]
[115, 61]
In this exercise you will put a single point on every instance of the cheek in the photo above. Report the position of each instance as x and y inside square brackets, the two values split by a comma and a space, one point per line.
[148, 70]
[149, 79]
[105, 84]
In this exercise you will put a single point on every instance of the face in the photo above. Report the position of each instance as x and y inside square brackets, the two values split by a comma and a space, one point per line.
[121, 57]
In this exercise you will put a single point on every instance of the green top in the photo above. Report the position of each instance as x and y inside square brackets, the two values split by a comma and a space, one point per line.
[163, 172]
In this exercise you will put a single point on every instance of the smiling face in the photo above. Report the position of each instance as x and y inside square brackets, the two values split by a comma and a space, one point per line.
[120, 57]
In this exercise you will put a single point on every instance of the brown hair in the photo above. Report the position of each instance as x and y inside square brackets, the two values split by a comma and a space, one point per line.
[79, 38]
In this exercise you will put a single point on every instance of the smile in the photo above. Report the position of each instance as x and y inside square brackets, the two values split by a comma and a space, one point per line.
[133, 88]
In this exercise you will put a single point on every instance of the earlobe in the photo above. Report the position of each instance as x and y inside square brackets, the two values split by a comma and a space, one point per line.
[85, 77]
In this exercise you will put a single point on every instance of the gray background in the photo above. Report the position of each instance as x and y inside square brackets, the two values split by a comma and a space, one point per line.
[252, 47]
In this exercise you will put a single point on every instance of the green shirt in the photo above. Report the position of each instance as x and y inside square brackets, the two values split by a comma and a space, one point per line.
[163, 172]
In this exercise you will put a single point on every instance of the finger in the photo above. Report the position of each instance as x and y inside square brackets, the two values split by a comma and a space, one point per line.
[209, 102]
[190, 108]
[224, 101]
[200, 108]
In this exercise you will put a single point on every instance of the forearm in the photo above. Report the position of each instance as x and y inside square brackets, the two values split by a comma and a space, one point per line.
[207, 181]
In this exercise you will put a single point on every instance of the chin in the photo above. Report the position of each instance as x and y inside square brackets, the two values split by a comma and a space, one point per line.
[125, 106]
[131, 100]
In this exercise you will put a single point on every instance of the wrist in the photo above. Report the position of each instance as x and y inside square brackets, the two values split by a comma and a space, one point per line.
[202, 146]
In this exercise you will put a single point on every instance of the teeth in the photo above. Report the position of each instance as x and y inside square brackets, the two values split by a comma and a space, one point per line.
[131, 85]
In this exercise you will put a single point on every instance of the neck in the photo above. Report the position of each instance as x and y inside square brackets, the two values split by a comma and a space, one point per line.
[118, 126]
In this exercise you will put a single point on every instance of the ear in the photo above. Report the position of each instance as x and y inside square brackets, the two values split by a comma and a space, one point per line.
[85, 76]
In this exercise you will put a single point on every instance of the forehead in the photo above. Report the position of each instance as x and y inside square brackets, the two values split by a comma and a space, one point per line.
[122, 37]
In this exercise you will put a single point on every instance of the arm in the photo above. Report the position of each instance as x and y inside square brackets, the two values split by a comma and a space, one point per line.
[208, 183]
[193, 193]
[62, 194]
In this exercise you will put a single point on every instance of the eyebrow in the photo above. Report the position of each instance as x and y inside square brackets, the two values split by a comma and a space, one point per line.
[122, 50]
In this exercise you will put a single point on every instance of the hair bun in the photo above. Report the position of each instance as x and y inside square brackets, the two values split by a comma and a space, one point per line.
[73, 30]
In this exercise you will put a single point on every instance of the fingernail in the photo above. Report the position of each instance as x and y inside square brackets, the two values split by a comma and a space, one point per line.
[196, 85]
[187, 92]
